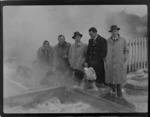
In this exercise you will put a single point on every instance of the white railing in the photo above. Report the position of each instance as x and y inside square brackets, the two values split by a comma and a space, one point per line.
[138, 52]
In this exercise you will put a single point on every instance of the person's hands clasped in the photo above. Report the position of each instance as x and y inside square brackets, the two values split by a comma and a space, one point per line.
[65, 56]
[86, 64]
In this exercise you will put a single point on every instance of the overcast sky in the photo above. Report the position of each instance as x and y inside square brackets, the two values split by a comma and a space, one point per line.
[139, 10]
[26, 27]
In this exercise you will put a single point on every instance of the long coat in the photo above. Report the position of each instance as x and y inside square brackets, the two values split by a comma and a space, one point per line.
[77, 56]
[117, 54]
[45, 55]
[96, 52]
[61, 50]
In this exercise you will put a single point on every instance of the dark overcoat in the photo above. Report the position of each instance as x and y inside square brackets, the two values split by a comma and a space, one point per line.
[45, 55]
[96, 52]
[59, 62]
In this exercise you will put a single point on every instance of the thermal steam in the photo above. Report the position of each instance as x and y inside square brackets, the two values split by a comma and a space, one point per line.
[26, 27]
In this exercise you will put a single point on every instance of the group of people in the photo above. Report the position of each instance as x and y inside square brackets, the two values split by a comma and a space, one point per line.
[104, 58]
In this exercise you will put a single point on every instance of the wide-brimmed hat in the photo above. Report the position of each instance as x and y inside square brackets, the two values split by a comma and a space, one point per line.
[76, 34]
[114, 27]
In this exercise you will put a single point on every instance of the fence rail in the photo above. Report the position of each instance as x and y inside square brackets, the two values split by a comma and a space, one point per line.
[137, 54]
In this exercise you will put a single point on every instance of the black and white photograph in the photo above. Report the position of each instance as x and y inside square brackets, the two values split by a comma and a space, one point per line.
[75, 59]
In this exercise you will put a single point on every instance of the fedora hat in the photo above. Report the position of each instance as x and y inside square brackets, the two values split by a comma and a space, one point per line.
[76, 34]
[114, 27]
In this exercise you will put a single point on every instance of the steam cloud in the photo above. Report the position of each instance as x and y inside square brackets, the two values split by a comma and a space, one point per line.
[25, 28]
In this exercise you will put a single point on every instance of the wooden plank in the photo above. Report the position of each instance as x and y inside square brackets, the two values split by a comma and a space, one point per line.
[94, 101]
[142, 53]
[128, 59]
[132, 59]
[64, 94]
[136, 53]
[146, 51]
[139, 53]
[129, 56]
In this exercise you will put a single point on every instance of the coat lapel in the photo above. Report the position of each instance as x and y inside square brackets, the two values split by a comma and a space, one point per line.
[114, 41]
[95, 41]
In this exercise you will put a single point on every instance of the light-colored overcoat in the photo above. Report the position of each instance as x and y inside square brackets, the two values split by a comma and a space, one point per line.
[117, 54]
[77, 56]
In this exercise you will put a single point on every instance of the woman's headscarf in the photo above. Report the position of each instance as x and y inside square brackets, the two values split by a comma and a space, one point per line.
[45, 52]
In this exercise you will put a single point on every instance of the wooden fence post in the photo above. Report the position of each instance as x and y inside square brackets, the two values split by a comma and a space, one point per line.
[132, 54]
[135, 61]
[134, 57]
[144, 52]
[137, 54]
[141, 53]
[129, 63]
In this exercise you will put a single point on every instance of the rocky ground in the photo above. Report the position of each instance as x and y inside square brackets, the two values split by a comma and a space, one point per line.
[136, 90]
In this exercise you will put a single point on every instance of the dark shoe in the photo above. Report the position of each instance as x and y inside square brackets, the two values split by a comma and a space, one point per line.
[113, 93]
[119, 90]
[120, 96]
[113, 96]
[113, 87]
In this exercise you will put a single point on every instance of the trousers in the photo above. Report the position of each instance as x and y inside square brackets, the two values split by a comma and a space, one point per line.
[117, 89]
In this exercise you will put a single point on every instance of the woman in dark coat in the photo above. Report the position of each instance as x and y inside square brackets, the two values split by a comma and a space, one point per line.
[45, 54]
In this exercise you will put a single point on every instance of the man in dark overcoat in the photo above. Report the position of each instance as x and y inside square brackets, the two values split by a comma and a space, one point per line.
[96, 53]
[61, 53]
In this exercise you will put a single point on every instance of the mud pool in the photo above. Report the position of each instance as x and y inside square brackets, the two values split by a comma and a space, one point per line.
[53, 106]
[137, 81]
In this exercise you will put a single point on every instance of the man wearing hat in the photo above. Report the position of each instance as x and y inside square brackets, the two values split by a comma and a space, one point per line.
[77, 52]
[117, 54]
[96, 53]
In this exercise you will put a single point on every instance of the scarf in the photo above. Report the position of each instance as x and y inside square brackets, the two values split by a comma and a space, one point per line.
[46, 51]
[62, 45]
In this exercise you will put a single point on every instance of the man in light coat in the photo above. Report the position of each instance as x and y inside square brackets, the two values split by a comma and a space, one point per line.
[117, 54]
[77, 52]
